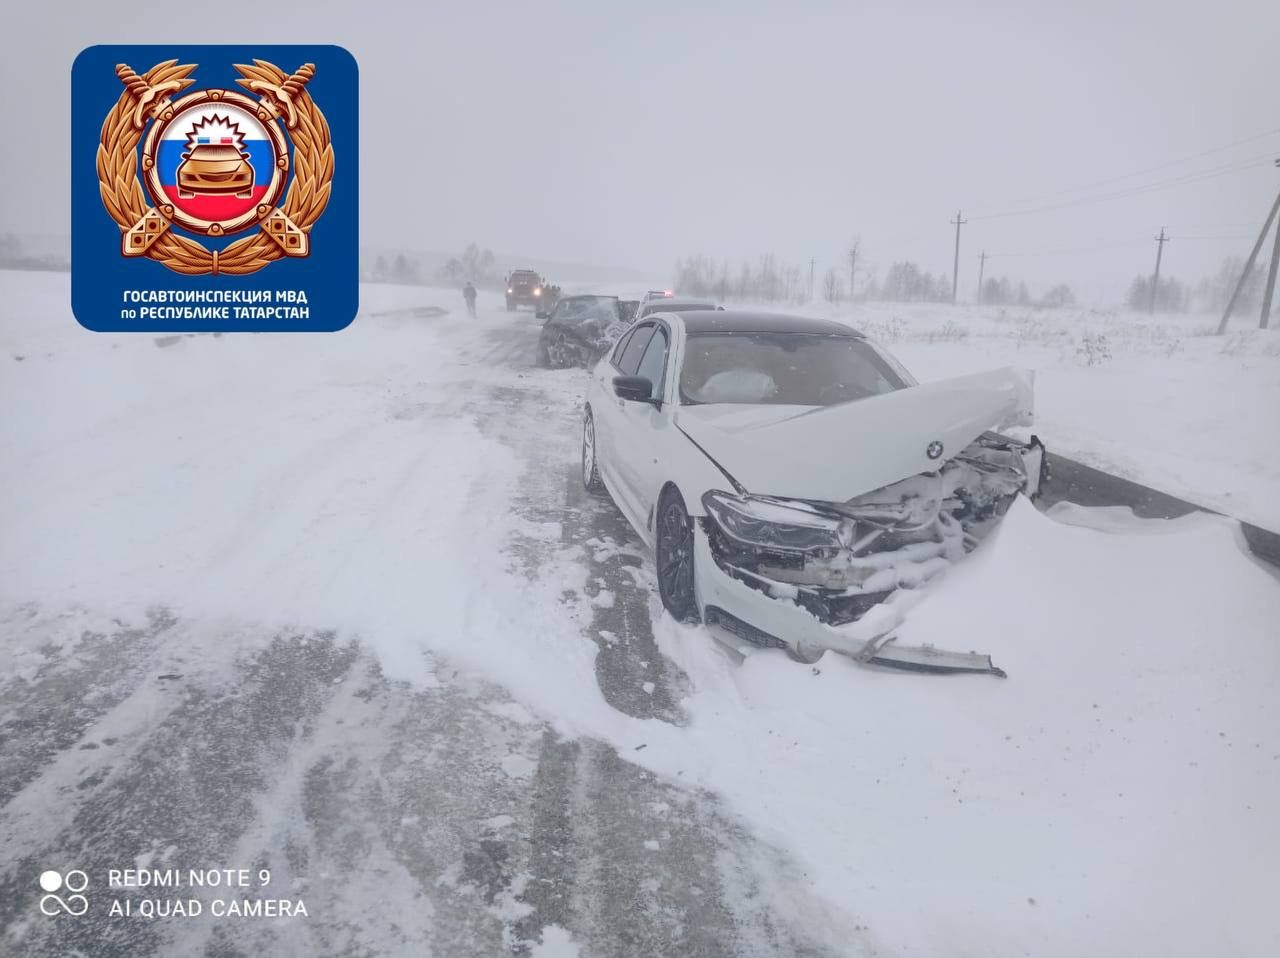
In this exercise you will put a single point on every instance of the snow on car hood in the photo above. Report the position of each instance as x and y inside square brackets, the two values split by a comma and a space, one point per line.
[834, 453]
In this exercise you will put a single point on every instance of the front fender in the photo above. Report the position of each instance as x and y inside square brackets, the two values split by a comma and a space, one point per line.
[691, 471]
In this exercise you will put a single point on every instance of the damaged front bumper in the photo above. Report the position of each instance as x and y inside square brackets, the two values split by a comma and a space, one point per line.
[807, 577]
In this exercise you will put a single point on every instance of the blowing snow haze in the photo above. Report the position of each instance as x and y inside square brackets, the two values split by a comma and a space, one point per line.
[629, 137]
[605, 589]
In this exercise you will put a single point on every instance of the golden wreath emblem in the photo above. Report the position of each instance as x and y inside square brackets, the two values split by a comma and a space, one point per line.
[215, 163]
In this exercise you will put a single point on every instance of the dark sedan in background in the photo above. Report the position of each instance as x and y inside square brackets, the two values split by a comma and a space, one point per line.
[580, 329]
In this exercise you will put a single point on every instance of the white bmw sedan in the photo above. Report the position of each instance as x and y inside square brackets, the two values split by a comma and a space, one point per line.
[793, 480]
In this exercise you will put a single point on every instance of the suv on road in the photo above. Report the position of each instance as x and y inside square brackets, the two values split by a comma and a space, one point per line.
[524, 288]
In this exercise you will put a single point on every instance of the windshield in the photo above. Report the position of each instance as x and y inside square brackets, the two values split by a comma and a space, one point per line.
[580, 309]
[801, 369]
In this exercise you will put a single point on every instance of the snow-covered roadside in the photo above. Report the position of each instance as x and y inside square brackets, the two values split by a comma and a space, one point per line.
[1159, 400]
[347, 483]
[1115, 795]
[336, 481]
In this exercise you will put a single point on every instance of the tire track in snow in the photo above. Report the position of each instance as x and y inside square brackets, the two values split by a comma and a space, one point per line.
[428, 819]
[630, 864]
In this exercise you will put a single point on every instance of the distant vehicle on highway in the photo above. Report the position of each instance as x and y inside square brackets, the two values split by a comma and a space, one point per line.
[653, 294]
[674, 304]
[791, 476]
[580, 329]
[524, 288]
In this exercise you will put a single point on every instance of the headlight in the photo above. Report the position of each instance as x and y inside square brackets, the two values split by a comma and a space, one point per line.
[776, 524]
[537, 292]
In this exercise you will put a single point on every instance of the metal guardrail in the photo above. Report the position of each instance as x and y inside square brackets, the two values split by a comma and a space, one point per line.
[1072, 481]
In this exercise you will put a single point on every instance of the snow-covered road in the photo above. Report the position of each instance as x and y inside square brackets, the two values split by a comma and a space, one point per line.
[240, 636]
[338, 607]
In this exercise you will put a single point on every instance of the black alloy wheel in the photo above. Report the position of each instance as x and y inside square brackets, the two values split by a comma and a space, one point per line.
[674, 558]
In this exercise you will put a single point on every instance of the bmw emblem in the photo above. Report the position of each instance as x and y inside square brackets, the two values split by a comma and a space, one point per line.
[934, 449]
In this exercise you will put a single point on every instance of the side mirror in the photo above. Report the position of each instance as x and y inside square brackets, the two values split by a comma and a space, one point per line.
[542, 314]
[633, 388]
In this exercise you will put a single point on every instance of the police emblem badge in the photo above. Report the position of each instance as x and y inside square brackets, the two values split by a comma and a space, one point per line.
[215, 163]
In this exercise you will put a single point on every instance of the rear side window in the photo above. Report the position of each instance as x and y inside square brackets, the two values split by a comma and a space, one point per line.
[634, 350]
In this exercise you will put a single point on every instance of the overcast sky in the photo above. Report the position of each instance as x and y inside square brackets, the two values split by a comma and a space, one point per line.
[633, 134]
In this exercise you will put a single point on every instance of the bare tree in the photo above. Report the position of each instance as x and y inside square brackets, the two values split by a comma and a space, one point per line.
[832, 288]
[855, 251]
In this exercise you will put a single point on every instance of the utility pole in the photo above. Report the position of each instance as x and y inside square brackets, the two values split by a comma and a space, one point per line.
[982, 265]
[955, 269]
[1248, 268]
[811, 279]
[1271, 278]
[1271, 283]
[1155, 278]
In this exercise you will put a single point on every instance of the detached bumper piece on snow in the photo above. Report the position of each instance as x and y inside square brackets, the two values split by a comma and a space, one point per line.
[811, 576]
[923, 658]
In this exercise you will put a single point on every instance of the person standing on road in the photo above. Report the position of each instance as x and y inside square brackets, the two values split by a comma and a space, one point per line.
[469, 294]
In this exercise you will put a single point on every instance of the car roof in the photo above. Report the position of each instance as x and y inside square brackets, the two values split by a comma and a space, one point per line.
[657, 304]
[746, 321]
[524, 272]
[566, 299]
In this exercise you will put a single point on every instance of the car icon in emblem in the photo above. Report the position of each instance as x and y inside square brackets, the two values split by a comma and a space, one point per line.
[934, 449]
[217, 168]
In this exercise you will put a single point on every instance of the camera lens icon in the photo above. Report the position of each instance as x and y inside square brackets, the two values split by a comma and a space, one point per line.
[74, 882]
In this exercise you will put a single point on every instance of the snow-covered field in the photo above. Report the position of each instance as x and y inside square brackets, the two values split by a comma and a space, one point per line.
[1160, 400]
[391, 484]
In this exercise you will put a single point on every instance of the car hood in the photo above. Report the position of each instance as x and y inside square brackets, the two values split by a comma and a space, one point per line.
[834, 453]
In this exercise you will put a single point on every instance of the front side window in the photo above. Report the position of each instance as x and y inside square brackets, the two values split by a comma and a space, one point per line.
[621, 348]
[654, 362]
[635, 349]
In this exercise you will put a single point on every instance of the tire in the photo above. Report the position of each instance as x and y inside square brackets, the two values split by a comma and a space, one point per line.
[590, 473]
[511, 307]
[560, 353]
[673, 556]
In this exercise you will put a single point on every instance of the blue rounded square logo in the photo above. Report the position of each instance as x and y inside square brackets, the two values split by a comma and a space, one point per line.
[214, 188]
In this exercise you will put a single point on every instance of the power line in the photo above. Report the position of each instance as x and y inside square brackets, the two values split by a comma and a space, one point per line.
[1075, 249]
[1098, 247]
[1183, 180]
[1233, 236]
[1163, 166]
